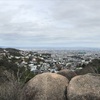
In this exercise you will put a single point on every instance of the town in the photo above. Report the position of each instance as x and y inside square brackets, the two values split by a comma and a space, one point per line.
[40, 61]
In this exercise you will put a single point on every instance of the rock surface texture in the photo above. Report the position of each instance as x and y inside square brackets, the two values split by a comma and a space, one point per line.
[67, 73]
[84, 87]
[46, 86]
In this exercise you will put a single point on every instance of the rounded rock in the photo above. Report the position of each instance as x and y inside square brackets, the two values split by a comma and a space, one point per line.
[67, 73]
[84, 87]
[46, 86]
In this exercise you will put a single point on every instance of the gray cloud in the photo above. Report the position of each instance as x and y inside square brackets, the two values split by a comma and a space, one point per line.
[50, 22]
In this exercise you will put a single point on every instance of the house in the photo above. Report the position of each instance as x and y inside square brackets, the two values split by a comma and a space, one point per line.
[33, 67]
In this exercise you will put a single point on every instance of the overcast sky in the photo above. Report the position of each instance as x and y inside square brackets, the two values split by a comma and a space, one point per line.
[50, 23]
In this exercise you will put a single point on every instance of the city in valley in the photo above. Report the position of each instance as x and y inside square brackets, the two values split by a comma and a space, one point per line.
[40, 61]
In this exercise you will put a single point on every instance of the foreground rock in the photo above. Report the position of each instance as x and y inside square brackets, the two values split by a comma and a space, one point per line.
[84, 87]
[67, 73]
[46, 86]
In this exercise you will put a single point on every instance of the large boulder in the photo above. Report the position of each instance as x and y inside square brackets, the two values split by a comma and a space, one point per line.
[46, 86]
[67, 73]
[84, 87]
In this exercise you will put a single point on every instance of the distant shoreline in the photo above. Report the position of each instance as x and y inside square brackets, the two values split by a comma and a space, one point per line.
[55, 48]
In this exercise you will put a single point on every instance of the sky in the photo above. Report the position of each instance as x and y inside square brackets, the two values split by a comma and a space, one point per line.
[50, 23]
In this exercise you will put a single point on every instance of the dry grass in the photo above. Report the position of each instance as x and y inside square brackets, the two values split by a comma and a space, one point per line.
[9, 89]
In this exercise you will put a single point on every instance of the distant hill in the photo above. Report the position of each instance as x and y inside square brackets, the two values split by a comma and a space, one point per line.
[1, 50]
[12, 49]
